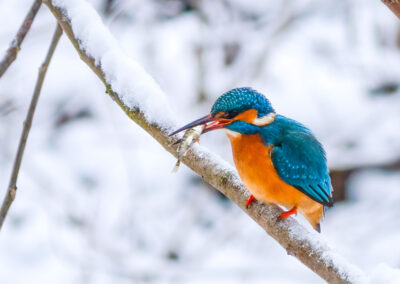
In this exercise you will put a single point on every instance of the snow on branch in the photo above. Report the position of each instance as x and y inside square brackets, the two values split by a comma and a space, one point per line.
[143, 101]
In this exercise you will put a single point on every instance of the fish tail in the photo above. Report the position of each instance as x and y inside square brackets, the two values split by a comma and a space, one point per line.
[175, 169]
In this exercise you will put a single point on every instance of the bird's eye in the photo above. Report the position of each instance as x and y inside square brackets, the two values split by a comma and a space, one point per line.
[231, 114]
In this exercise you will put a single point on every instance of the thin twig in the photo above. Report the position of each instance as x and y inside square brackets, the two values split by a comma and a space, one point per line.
[394, 6]
[12, 187]
[15, 46]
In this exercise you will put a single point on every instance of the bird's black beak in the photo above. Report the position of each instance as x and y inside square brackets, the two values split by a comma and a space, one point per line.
[211, 123]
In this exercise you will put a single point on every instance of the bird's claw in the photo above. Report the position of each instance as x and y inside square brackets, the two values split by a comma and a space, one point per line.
[249, 201]
[286, 214]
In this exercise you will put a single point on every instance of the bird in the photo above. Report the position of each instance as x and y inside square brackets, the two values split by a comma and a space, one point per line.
[279, 160]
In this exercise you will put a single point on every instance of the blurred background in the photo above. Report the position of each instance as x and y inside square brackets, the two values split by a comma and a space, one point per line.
[97, 202]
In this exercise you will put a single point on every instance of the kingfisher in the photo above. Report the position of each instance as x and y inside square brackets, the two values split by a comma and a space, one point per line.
[278, 159]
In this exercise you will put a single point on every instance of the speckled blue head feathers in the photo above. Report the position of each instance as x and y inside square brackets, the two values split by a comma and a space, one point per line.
[242, 99]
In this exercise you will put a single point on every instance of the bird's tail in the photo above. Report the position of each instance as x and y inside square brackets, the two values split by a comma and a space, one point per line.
[314, 215]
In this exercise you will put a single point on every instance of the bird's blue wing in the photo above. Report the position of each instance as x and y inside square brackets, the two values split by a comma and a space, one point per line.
[300, 161]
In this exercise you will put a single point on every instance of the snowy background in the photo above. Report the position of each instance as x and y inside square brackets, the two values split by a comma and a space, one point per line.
[97, 202]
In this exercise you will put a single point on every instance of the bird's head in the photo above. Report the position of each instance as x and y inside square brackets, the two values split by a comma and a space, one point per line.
[241, 110]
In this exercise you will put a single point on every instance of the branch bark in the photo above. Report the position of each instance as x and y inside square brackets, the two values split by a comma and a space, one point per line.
[12, 187]
[15, 46]
[394, 6]
[308, 247]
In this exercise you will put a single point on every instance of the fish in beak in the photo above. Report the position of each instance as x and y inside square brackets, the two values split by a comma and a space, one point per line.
[210, 122]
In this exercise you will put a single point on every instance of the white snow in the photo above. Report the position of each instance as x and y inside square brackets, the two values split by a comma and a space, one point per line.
[219, 165]
[97, 202]
[329, 256]
[135, 87]
[384, 274]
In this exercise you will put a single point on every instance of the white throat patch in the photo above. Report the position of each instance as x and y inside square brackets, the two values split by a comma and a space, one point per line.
[231, 133]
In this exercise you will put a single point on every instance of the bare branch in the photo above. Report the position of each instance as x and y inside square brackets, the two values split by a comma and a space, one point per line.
[308, 247]
[394, 6]
[12, 187]
[15, 46]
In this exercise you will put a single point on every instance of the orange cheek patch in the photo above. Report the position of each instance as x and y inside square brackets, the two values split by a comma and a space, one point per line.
[247, 116]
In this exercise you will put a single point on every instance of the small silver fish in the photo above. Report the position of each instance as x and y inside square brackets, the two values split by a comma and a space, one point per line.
[191, 135]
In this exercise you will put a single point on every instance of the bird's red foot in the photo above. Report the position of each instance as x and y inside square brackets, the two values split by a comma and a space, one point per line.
[286, 214]
[249, 201]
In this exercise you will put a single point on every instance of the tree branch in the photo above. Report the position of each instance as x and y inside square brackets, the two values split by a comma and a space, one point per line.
[12, 187]
[15, 46]
[308, 247]
[394, 6]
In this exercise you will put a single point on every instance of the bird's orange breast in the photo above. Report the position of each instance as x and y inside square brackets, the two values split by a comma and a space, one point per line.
[253, 162]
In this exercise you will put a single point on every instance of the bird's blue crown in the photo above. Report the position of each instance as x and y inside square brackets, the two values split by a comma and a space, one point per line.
[242, 99]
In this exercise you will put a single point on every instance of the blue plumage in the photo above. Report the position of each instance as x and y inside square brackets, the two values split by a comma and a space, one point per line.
[299, 158]
[241, 99]
[297, 155]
